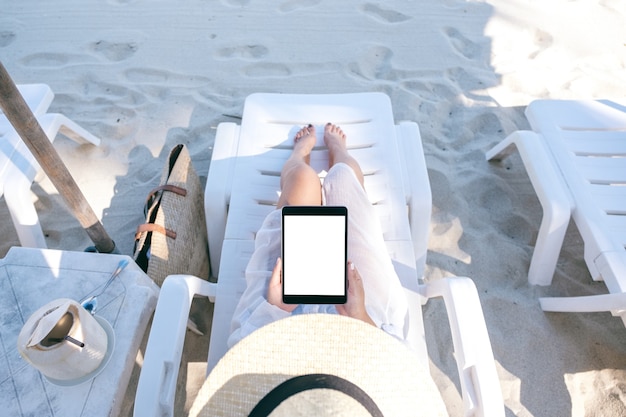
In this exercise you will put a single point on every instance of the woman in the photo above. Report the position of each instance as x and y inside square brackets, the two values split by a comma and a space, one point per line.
[375, 294]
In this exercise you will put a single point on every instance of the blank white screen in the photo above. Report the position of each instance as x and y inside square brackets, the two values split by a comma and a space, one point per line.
[314, 255]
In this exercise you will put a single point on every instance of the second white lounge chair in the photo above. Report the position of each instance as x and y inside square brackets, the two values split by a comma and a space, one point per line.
[576, 160]
[242, 188]
[18, 167]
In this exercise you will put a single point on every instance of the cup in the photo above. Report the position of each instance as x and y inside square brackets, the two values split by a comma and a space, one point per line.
[63, 341]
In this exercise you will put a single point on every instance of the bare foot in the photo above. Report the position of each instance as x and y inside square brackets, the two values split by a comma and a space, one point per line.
[334, 135]
[335, 141]
[304, 141]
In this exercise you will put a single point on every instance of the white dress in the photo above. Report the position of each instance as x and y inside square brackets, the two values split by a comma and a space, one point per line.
[385, 301]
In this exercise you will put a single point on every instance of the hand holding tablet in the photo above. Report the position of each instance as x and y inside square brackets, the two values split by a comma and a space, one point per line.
[314, 254]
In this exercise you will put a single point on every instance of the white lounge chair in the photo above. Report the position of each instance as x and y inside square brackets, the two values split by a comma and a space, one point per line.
[576, 160]
[242, 188]
[18, 167]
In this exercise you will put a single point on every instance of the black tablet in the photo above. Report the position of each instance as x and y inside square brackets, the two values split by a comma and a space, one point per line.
[314, 254]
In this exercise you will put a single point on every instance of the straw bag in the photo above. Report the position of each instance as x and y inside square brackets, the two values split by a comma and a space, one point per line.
[173, 239]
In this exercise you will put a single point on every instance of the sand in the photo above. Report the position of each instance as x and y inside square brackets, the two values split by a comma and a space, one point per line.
[144, 76]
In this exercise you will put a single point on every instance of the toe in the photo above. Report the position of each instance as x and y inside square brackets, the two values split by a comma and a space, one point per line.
[305, 132]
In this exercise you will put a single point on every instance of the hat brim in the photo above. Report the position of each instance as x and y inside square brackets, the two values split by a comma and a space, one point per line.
[378, 364]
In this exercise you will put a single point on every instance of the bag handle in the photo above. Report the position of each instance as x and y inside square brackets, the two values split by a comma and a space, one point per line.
[151, 227]
[170, 187]
[154, 197]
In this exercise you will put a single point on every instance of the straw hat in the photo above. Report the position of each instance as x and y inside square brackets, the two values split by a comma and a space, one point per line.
[319, 364]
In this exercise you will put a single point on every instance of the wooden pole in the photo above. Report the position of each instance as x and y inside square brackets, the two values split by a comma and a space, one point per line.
[26, 125]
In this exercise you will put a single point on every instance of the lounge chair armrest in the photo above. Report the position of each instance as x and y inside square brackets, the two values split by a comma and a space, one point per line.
[417, 189]
[217, 189]
[482, 395]
[159, 374]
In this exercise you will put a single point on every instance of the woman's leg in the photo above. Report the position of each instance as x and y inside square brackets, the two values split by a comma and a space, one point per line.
[335, 141]
[299, 183]
[385, 300]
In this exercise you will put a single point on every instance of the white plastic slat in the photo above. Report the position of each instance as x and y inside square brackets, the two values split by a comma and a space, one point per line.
[602, 170]
[596, 142]
[617, 224]
[612, 199]
[546, 115]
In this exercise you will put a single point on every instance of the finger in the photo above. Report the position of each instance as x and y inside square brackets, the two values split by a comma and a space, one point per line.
[351, 272]
[277, 272]
[354, 277]
[355, 272]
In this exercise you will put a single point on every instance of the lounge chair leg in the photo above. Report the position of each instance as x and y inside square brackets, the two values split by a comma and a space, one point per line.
[53, 123]
[587, 304]
[25, 220]
[552, 194]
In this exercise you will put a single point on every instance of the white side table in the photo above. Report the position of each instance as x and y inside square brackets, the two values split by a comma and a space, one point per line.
[30, 278]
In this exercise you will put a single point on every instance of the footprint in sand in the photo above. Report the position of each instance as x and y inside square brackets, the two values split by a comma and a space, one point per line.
[47, 60]
[374, 63]
[246, 52]
[147, 76]
[6, 38]
[291, 5]
[384, 15]
[486, 124]
[542, 40]
[115, 51]
[267, 70]
[461, 44]
[467, 80]
[235, 3]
